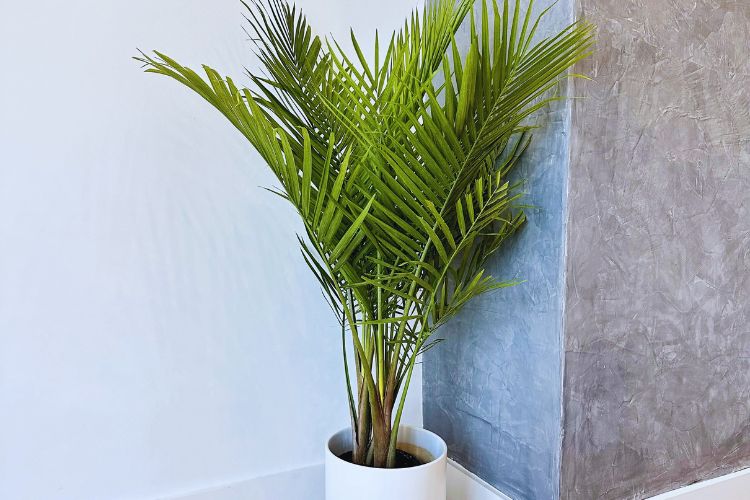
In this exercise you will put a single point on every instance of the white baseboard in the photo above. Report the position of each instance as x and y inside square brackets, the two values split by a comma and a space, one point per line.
[464, 485]
[307, 483]
[735, 486]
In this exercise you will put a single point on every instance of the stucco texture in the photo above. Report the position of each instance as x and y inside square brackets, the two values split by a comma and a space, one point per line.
[657, 321]
[493, 389]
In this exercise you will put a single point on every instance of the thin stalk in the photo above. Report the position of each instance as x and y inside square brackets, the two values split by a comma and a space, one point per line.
[380, 340]
[352, 409]
[363, 429]
[380, 430]
[391, 461]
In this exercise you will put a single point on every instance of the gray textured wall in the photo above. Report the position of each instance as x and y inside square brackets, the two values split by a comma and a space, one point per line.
[657, 323]
[657, 276]
[492, 390]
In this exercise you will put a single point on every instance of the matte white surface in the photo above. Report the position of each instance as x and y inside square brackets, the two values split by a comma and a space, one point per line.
[159, 331]
[735, 486]
[346, 481]
[463, 485]
[308, 484]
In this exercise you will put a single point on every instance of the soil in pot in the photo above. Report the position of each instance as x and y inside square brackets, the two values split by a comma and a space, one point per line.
[404, 460]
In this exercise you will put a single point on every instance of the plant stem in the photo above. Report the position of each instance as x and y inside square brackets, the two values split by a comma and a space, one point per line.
[391, 461]
[380, 354]
[352, 410]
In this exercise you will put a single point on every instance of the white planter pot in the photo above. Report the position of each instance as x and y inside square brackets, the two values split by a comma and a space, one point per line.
[346, 481]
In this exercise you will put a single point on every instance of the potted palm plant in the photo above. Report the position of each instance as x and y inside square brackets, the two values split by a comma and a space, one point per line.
[399, 169]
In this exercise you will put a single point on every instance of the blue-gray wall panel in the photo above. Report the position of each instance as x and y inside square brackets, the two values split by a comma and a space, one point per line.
[492, 390]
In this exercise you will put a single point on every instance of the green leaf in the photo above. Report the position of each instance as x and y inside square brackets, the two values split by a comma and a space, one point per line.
[400, 180]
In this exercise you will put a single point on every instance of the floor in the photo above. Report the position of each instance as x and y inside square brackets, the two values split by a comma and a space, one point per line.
[308, 484]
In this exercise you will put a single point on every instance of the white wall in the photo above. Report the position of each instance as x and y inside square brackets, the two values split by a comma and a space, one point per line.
[159, 331]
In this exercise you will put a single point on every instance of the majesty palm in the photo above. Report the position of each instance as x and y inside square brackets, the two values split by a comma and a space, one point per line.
[398, 168]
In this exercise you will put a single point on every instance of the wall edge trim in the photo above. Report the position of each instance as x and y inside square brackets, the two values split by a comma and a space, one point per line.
[732, 486]
[462, 485]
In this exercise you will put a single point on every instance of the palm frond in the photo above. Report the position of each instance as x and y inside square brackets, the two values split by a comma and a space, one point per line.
[400, 168]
